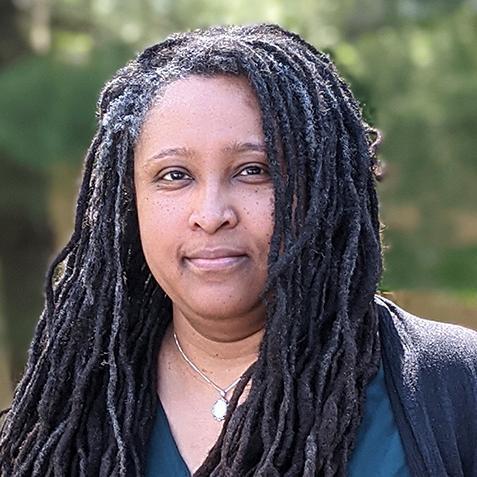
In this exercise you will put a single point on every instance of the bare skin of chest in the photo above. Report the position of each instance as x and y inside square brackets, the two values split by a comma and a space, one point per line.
[193, 427]
[187, 401]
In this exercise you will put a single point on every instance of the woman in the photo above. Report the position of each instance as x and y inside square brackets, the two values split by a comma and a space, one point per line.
[214, 311]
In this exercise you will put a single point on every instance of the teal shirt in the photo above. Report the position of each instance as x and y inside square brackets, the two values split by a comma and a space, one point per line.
[378, 451]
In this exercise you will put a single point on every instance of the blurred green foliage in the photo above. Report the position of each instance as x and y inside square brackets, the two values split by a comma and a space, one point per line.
[420, 79]
[412, 63]
[49, 105]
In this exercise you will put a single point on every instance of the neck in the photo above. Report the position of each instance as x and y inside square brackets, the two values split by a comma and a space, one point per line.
[222, 351]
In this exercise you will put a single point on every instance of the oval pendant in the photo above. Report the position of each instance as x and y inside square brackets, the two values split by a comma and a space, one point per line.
[219, 409]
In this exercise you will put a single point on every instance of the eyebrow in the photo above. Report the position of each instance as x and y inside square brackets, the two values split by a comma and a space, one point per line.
[238, 147]
[235, 148]
[170, 151]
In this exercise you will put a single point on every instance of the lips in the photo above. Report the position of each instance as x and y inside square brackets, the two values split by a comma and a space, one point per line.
[217, 259]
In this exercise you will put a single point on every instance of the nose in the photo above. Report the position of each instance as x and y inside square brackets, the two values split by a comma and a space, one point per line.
[212, 209]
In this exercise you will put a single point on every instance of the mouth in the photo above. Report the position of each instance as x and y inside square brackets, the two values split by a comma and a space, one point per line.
[208, 260]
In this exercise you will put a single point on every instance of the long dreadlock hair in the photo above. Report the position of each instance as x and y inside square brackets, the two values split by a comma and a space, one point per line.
[86, 402]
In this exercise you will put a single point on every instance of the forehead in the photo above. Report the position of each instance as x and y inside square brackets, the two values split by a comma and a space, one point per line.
[206, 92]
[205, 109]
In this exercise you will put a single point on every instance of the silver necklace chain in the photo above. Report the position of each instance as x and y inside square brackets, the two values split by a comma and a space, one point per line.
[222, 391]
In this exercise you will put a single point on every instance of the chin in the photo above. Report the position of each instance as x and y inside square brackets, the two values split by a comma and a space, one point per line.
[224, 306]
[218, 310]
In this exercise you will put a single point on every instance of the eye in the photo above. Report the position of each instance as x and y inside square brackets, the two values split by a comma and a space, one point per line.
[174, 175]
[253, 170]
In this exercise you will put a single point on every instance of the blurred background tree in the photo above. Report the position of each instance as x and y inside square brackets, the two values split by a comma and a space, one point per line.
[412, 63]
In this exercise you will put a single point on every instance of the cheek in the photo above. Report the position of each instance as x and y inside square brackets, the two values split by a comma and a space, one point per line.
[160, 225]
[262, 206]
[259, 215]
[155, 212]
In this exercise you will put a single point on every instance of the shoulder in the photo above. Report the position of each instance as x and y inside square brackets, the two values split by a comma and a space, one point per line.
[430, 343]
[431, 371]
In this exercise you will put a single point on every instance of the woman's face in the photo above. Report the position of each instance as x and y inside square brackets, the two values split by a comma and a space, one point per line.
[205, 196]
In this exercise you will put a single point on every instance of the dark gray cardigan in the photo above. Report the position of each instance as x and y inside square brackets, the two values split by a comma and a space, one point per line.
[431, 376]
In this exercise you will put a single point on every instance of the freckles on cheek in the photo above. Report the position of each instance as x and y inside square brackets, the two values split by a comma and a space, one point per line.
[164, 229]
